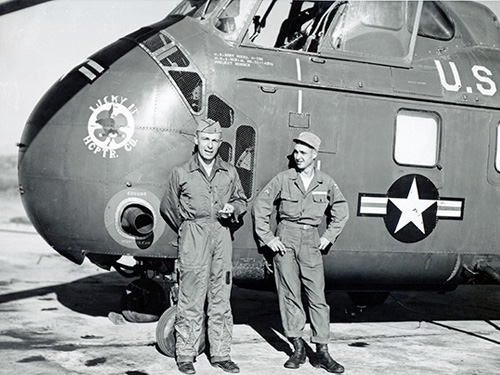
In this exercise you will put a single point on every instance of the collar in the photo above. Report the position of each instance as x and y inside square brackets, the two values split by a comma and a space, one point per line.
[194, 163]
[318, 175]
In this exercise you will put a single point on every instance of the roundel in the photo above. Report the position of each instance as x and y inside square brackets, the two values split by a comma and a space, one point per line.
[411, 208]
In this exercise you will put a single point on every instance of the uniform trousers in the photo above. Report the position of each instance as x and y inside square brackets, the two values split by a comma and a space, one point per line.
[205, 266]
[302, 264]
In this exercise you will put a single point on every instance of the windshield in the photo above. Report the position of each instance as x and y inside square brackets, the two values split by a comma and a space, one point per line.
[233, 17]
[378, 30]
[375, 28]
[230, 19]
[195, 8]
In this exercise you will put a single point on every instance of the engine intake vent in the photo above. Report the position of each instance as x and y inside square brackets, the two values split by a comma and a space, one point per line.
[218, 110]
[245, 156]
[226, 151]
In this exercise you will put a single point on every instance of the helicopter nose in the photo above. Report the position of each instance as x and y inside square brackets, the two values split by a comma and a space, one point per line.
[109, 131]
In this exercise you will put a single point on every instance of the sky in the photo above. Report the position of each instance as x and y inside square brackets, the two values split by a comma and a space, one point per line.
[40, 44]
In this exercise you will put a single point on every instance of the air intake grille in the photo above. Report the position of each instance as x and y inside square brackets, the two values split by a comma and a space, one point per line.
[220, 111]
[245, 156]
[191, 87]
[226, 151]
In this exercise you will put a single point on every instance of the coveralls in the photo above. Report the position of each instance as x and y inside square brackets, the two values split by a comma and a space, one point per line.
[191, 203]
[300, 212]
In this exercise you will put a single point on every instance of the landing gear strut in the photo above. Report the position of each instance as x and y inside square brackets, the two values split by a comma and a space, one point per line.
[153, 297]
[146, 298]
[143, 301]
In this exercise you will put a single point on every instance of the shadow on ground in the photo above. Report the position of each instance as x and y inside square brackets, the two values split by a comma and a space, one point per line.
[94, 296]
[100, 294]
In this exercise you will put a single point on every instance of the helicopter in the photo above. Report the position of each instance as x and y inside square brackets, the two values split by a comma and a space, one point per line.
[404, 95]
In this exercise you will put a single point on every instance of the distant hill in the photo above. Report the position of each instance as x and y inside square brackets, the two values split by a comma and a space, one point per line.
[8, 174]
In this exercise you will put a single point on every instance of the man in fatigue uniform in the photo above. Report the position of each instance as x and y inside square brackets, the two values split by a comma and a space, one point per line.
[202, 197]
[303, 195]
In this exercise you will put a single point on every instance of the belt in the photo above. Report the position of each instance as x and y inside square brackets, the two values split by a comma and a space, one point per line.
[297, 225]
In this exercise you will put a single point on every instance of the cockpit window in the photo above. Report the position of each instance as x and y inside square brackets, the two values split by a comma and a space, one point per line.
[374, 29]
[195, 8]
[290, 25]
[434, 23]
[383, 14]
[226, 20]
[232, 17]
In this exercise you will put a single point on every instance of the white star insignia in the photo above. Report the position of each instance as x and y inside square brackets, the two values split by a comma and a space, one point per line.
[412, 208]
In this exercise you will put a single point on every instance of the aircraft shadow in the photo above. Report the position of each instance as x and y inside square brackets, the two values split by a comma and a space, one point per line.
[94, 296]
[99, 295]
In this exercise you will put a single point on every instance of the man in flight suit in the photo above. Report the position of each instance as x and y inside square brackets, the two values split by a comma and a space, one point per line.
[303, 195]
[202, 197]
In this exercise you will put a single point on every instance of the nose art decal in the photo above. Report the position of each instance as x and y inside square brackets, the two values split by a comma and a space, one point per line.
[111, 126]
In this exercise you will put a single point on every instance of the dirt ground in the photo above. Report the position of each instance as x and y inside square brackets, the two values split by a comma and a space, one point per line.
[60, 318]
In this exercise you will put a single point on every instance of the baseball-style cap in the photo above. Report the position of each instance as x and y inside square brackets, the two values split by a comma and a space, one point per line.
[309, 139]
[209, 126]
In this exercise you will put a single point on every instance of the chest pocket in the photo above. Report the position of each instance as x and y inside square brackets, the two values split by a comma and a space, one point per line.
[194, 194]
[224, 184]
[320, 202]
[289, 205]
[320, 197]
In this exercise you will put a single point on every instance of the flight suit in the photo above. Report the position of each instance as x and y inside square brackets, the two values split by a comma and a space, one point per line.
[300, 212]
[191, 204]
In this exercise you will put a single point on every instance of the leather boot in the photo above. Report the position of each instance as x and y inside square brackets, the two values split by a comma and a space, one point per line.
[227, 366]
[186, 367]
[326, 362]
[299, 355]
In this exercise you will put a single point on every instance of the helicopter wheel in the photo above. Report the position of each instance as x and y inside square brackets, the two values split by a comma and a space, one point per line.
[143, 301]
[165, 333]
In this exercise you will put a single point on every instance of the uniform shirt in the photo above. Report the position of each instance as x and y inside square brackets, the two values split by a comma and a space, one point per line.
[192, 195]
[301, 206]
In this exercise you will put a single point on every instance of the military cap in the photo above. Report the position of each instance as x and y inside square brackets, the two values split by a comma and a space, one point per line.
[209, 126]
[309, 139]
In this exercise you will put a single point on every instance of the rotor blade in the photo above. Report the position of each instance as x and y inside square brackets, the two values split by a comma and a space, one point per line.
[10, 6]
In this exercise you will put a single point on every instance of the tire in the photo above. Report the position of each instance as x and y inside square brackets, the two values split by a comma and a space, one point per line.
[165, 335]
